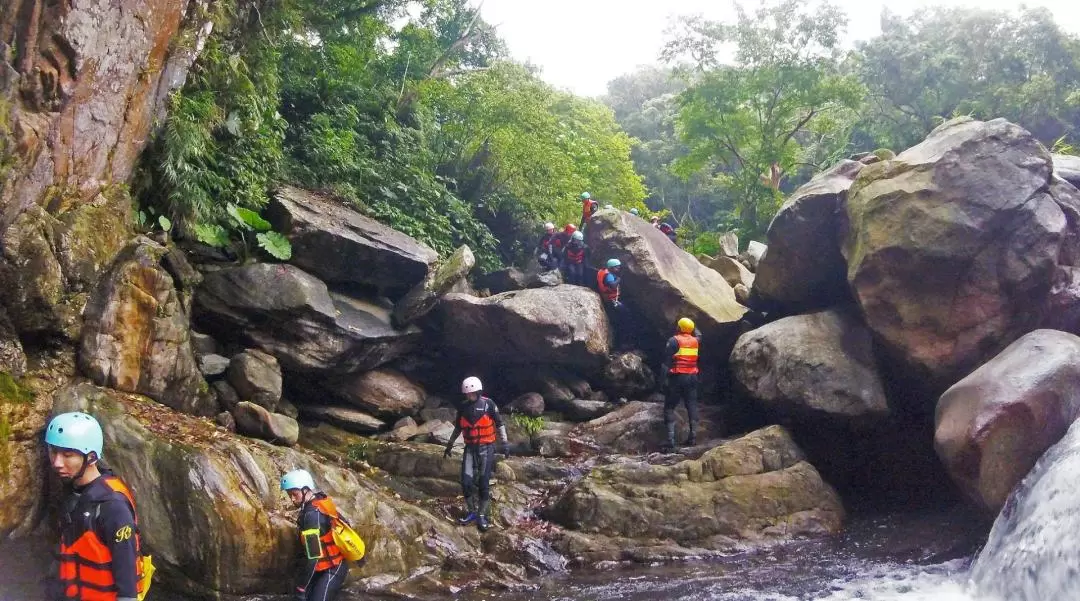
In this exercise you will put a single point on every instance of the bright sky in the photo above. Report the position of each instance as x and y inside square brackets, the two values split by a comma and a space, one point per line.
[582, 44]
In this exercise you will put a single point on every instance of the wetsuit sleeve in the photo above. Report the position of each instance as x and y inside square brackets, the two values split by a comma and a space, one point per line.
[500, 427]
[117, 531]
[310, 545]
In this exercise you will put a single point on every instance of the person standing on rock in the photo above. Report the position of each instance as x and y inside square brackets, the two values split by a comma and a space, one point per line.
[545, 250]
[588, 207]
[608, 281]
[574, 260]
[100, 556]
[679, 378]
[479, 421]
[323, 568]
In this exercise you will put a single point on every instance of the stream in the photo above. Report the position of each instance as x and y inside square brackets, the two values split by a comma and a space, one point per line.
[918, 556]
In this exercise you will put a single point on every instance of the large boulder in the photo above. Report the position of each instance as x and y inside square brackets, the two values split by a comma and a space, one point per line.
[628, 374]
[755, 488]
[817, 365]
[734, 272]
[256, 377]
[994, 424]
[441, 280]
[952, 244]
[258, 422]
[503, 280]
[346, 418]
[385, 393]
[136, 337]
[341, 246]
[803, 269]
[211, 510]
[564, 325]
[292, 315]
[1067, 167]
[81, 86]
[661, 281]
[637, 427]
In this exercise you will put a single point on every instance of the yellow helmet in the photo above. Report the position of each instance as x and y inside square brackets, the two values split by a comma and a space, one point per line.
[686, 325]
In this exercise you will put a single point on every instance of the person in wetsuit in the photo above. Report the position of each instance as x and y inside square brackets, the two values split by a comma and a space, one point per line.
[322, 568]
[479, 421]
[679, 378]
[100, 557]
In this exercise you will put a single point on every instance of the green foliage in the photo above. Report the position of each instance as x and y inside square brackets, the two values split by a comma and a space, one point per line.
[753, 123]
[275, 244]
[359, 451]
[12, 392]
[531, 426]
[211, 234]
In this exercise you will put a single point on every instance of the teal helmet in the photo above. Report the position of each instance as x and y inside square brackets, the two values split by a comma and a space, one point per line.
[613, 263]
[76, 431]
[633, 211]
[585, 196]
[578, 236]
[298, 479]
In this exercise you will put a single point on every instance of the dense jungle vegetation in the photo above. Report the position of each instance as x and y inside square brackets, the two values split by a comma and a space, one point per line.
[413, 112]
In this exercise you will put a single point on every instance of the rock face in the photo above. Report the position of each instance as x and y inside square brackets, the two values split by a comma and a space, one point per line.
[660, 280]
[136, 335]
[503, 280]
[258, 422]
[291, 315]
[12, 357]
[1063, 305]
[803, 269]
[637, 428]
[1067, 168]
[561, 325]
[988, 237]
[530, 404]
[256, 377]
[423, 296]
[757, 487]
[341, 246]
[994, 424]
[215, 517]
[817, 365]
[82, 86]
[384, 393]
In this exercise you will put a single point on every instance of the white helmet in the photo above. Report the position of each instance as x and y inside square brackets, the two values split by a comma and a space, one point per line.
[471, 384]
[549, 227]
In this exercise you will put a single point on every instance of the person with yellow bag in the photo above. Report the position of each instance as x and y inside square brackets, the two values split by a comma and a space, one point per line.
[101, 555]
[325, 537]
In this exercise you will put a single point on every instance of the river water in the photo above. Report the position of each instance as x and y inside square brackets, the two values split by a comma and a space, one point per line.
[921, 556]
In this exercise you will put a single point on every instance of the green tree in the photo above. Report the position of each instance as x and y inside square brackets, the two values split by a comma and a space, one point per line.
[781, 104]
[943, 63]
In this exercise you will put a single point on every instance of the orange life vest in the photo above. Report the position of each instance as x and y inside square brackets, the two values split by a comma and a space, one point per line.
[481, 432]
[575, 256]
[684, 361]
[588, 207]
[331, 556]
[86, 564]
[609, 293]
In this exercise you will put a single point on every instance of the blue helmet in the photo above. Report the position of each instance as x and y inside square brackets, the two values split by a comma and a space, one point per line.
[585, 196]
[298, 479]
[633, 211]
[76, 431]
[612, 263]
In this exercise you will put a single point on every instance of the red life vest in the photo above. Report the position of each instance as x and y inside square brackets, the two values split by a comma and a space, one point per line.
[480, 432]
[86, 564]
[575, 255]
[609, 293]
[684, 361]
[331, 556]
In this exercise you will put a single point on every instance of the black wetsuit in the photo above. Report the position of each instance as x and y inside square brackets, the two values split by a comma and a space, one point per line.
[317, 585]
[482, 425]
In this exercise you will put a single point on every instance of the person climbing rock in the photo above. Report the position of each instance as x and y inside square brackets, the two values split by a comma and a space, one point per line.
[479, 421]
[588, 207]
[322, 567]
[669, 231]
[608, 282]
[562, 239]
[574, 260]
[679, 378]
[100, 556]
[545, 249]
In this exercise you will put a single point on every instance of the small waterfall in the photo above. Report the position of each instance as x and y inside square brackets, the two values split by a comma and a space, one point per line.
[1033, 552]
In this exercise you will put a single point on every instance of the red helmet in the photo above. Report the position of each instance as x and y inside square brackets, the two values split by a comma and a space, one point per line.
[570, 228]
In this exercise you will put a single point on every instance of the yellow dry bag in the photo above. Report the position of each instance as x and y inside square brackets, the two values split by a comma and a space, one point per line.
[351, 545]
[147, 573]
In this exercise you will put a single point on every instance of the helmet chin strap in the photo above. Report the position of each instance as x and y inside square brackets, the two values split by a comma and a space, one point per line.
[87, 462]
